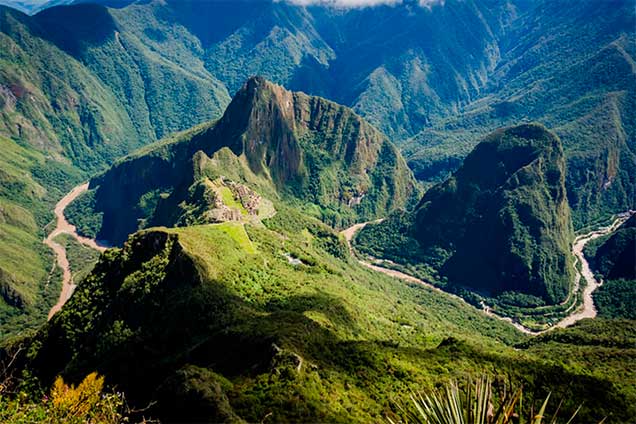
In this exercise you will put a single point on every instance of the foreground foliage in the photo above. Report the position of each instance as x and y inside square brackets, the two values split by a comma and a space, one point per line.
[475, 403]
[65, 403]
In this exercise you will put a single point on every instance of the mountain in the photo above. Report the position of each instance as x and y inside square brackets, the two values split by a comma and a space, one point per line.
[501, 223]
[230, 295]
[434, 79]
[437, 79]
[27, 6]
[75, 93]
[503, 217]
[82, 85]
[287, 146]
[31, 7]
[215, 323]
[569, 65]
[76, 85]
[29, 183]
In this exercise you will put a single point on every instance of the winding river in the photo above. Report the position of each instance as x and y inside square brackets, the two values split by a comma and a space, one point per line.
[586, 310]
[64, 227]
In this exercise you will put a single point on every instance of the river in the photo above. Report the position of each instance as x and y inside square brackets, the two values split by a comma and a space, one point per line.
[64, 227]
[586, 310]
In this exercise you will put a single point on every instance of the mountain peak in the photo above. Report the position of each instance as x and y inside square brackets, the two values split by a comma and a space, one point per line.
[259, 123]
[272, 127]
[503, 217]
[256, 81]
[287, 144]
[499, 224]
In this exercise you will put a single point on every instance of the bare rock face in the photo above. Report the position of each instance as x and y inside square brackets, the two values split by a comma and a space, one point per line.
[294, 138]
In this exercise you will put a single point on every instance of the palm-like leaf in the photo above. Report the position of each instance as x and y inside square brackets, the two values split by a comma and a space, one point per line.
[473, 405]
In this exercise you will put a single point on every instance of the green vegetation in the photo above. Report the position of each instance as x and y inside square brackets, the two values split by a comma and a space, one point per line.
[29, 184]
[613, 259]
[236, 231]
[80, 83]
[616, 299]
[598, 346]
[574, 74]
[70, 103]
[81, 258]
[214, 322]
[323, 158]
[475, 404]
[87, 402]
[81, 213]
[391, 240]
[499, 225]
[81, 86]
[228, 199]
[227, 333]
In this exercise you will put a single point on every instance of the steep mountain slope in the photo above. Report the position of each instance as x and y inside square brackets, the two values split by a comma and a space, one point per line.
[569, 65]
[214, 323]
[285, 145]
[76, 83]
[501, 223]
[408, 68]
[27, 283]
[399, 66]
[504, 216]
[76, 91]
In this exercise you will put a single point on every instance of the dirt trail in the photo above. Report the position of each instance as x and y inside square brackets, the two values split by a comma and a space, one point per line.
[63, 226]
[588, 309]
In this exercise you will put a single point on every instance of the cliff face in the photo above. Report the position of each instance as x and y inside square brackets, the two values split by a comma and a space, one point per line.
[287, 145]
[502, 221]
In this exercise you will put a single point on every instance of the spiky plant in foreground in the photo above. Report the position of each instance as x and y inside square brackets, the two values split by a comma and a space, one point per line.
[473, 405]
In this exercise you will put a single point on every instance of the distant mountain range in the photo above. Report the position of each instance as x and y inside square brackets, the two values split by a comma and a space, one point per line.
[433, 79]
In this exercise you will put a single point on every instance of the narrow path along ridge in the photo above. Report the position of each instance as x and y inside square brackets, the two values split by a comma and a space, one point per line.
[64, 227]
[586, 310]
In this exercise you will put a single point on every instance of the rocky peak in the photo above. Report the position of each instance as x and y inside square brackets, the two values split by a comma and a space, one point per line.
[259, 123]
